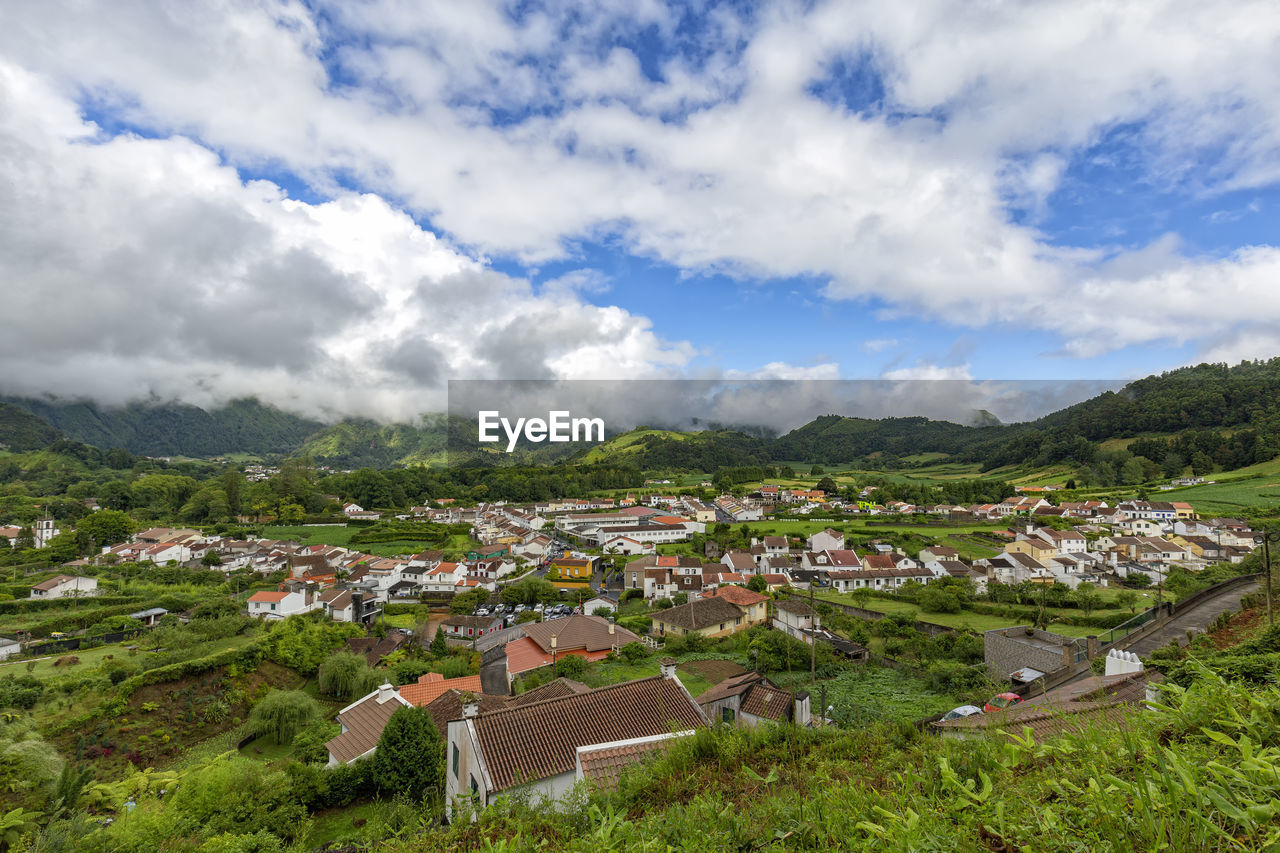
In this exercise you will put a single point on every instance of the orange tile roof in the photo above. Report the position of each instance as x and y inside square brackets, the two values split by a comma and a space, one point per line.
[524, 654]
[738, 595]
[267, 595]
[432, 685]
[534, 741]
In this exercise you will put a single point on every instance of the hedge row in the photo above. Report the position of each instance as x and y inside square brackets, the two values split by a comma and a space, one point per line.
[25, 605]
[251, 655]
[83, 617]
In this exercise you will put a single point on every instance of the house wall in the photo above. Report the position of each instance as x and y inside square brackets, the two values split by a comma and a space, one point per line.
[1006, 654]
[715, 710]
[458, 780]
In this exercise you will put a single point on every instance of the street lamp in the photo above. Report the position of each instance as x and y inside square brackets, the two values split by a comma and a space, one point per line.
[554, 670]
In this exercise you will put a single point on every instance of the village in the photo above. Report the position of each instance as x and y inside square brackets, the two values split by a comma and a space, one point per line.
[543, 591]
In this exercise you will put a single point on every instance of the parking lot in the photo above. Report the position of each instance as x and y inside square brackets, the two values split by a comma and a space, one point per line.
[511, 612]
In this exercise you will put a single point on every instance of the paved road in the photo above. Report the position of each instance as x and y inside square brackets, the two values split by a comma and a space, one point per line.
[1197, 618]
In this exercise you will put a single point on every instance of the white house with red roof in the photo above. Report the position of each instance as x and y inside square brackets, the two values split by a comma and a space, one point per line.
[279, 604]
[627, 545]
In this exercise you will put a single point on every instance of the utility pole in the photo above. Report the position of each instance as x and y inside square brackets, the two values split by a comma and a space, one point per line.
[1267, 538]
[813, 639]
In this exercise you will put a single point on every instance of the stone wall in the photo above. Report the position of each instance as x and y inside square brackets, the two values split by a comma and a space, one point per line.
[1007, 650]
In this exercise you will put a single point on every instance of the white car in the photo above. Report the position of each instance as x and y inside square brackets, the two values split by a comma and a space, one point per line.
[962, 711]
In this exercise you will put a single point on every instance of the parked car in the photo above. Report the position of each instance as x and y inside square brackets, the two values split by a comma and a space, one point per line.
[961, 712]
[1001, 702]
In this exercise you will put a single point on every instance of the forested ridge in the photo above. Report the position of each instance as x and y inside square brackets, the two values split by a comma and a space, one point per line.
[1205, 416]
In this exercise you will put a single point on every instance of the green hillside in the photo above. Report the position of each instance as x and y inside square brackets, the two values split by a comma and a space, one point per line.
[176, 429]
[1209, 417]
[363, 443]
[20, 430]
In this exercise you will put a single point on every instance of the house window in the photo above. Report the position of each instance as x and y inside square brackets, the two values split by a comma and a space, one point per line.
[455, 761]
[726, 715]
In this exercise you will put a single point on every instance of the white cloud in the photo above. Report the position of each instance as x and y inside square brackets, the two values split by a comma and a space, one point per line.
[724, 163]
[146, 269]
[929, 371]
[783, 370]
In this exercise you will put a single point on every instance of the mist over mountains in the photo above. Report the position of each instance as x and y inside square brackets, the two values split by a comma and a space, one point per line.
[1239, 402]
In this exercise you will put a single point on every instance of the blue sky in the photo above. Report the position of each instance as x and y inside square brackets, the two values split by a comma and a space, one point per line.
[522, 190]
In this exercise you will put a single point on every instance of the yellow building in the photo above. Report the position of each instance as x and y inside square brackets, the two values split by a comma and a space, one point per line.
[569, 568]
[1034, 547]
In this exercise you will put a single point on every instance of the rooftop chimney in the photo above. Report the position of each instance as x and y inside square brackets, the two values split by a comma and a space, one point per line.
[1119, 663]
[667, 666]
[385, 692]
[800, 710]
[470, 705]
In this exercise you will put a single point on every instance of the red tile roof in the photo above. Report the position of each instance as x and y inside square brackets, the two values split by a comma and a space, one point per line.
[579, 632]
[531, 742]
[603, 765]
[429, 687]
[738, 595]
[364, 721]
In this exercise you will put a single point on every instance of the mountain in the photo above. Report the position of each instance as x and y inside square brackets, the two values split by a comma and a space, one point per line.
[362, 443]
[1208, 414]
[20, 430]
[175, 429]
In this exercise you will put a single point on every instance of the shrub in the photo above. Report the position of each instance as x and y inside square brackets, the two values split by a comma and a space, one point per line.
[282, 714]
[309, 744]
[410, 755]
[347, 675]
[571, 666]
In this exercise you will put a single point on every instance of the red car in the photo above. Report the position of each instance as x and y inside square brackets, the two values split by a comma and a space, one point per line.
[1001, 702]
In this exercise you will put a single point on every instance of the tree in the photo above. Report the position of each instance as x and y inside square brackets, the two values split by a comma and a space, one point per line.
[108, 526]
[346, 675]
[1127, 598]
[827, 485]
[309, 744]
[282, 714]
[1087, 598]
[571, 666]
[410, 755]
[757, 583]
[211, 559]
[439, 647]
[934, 599]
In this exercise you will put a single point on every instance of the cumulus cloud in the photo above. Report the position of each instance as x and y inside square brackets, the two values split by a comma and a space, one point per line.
[146, 269]
[524, 136]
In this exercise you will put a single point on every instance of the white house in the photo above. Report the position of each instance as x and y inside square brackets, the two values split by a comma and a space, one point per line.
[9, 648]
[794, 617]
[268, 604]
[362, 723]
[627, 545]
[62, 586]
[536, 750]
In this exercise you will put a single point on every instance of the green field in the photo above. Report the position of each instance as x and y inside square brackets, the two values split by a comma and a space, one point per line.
[969, 621]
[323, 534]
[1245, 488]
[340, 535]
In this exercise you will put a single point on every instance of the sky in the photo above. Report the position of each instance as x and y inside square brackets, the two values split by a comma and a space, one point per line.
[338, 207]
